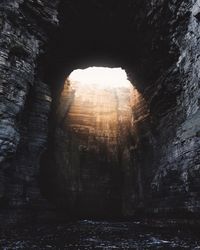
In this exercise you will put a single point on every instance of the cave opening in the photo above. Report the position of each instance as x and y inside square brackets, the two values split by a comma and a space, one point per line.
[108, 46]
[93, 140]
[120, 41]
[126, 36]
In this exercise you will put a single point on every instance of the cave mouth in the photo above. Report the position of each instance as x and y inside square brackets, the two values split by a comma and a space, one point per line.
[92, 141]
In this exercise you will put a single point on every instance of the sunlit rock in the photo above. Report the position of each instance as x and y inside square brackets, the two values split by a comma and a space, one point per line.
[94, 128]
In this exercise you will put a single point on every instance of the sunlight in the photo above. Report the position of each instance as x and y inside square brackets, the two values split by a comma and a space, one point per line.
[98, 101]
[101, 77]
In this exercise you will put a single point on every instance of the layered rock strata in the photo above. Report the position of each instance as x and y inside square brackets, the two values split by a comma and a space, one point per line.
[92, 135]
[24, 100]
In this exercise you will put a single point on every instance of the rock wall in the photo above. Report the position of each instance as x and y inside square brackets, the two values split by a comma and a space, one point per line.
[172, 135]
[91, 142]
[178, 173]
[24, 100]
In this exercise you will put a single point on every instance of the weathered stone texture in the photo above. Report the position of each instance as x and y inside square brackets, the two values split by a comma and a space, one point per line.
[174, 107]
[92, 133]
[24, 99]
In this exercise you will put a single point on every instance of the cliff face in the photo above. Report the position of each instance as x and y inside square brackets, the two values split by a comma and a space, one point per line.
[24, 99]
[166, 152]
[174, 107]
[161, 56]
[92, 136]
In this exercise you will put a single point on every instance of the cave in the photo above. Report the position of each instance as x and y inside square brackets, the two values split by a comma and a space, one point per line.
[92, 139]
[76, 150]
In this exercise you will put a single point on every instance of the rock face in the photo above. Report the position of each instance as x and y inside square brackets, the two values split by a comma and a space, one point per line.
[24, 100]
[174, 106]
[161, 56]
[92, 137]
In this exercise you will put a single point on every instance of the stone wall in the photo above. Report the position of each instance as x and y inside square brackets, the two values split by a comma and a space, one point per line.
[24, 100]
[173, 101]
[91, 147]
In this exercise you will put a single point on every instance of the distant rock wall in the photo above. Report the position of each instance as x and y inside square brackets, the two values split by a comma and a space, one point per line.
[91, 140]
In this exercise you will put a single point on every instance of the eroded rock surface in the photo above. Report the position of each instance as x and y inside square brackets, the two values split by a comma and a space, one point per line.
[92, 142]
[24, 99]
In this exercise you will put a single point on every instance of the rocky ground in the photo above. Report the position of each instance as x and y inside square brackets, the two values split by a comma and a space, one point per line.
[100, 235]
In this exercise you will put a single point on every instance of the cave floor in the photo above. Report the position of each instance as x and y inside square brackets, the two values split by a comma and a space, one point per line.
[99, 235]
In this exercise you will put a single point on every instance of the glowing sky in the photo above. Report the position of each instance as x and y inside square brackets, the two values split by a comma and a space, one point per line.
[101, 77]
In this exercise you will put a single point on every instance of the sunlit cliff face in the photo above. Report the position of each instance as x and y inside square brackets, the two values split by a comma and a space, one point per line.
[95, 120]
[99, 105]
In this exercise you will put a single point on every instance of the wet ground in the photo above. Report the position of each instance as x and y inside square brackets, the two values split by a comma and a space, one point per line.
[88, 235]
